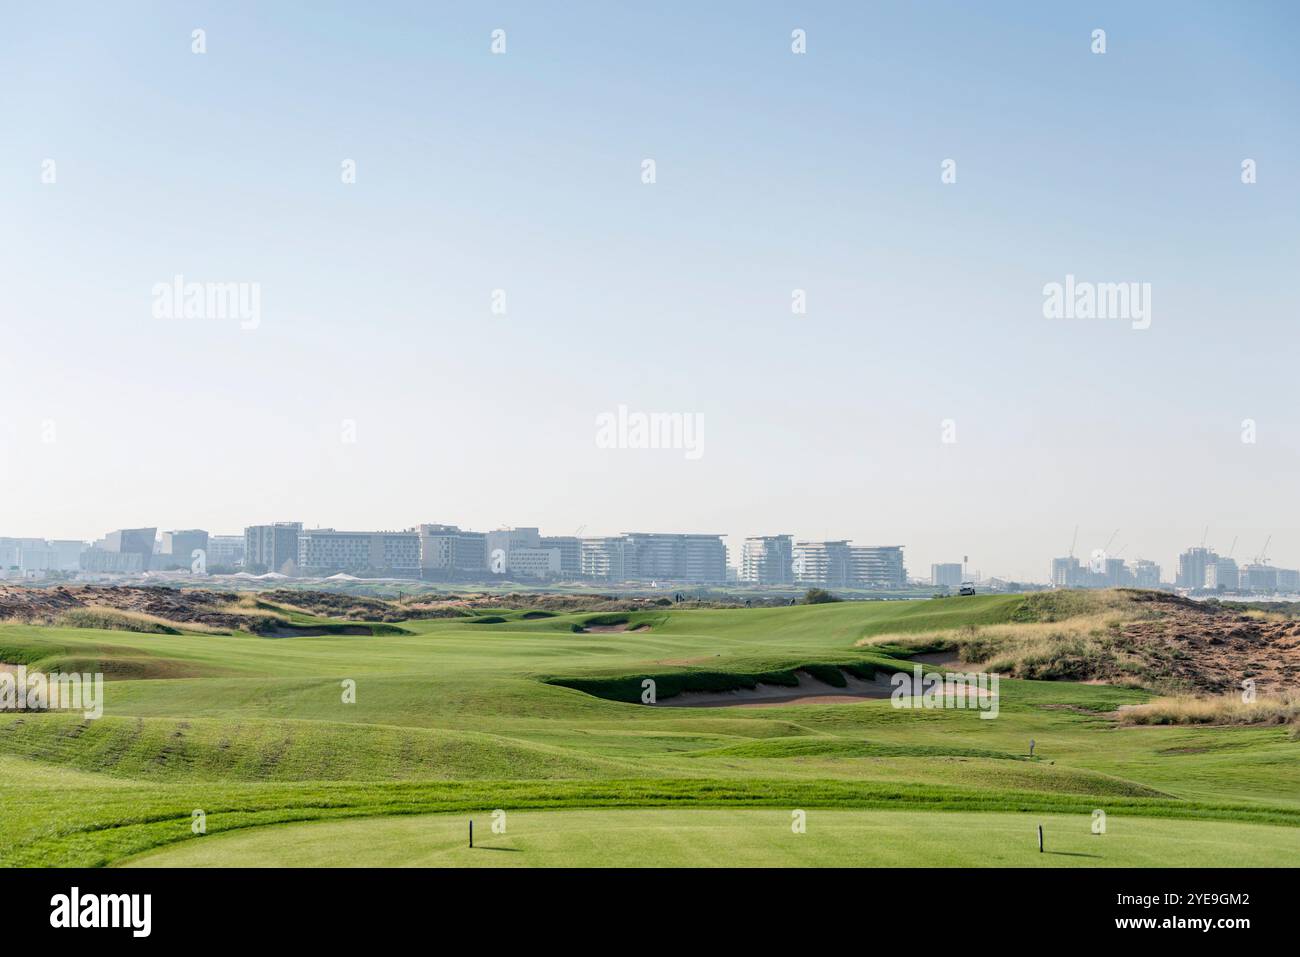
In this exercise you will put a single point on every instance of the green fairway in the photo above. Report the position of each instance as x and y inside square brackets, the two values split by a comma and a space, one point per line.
[739, 838]
[533, 713]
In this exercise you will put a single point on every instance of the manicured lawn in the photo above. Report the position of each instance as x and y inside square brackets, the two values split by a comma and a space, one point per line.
[738, 838]
[458, 717]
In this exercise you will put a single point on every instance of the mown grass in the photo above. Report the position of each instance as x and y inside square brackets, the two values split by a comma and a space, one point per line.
[734, 837]
[453, 716]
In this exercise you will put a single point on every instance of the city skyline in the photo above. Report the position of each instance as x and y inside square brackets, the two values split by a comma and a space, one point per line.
[751, 559]
[453, 301]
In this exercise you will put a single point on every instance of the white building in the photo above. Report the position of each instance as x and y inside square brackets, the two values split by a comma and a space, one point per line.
[822, 563]
[655, 556]
[946, 575]
[570, 549]
[324, 551]
[535, 563]
[448, 552]
[604, 558]
[767, 560]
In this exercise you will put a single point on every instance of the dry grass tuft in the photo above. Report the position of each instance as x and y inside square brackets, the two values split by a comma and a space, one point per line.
[1229, 708]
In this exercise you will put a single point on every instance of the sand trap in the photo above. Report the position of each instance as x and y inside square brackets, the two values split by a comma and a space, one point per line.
[809, 691]
[611, 629]
[944, 659]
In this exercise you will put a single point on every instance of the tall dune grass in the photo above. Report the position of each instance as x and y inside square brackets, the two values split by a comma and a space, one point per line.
[1082, 647]
[117, 619]
[1228, 708]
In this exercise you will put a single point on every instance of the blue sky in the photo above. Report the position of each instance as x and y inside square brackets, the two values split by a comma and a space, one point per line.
[774, 172]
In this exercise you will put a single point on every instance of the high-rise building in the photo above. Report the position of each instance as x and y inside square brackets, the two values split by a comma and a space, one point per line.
[68, 552]
[1259, 578]
[1116, 574]
[178, 548]
[822, 563]
[324, 551]
[450, 553]
[767, 560]
[1146, 574]
[946, 575]
[570, 549]
[134, 541]
[225, 551]
[655, 556]
[604, 558]
[519, 552]
[542, 563]
[1222, 574]
[1066, 572]
[877, 566]
[272, 548]
[1191, 567]
[98, 559]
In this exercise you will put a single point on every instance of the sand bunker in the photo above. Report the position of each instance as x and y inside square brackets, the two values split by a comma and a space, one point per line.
[809, 691]
[944, 659]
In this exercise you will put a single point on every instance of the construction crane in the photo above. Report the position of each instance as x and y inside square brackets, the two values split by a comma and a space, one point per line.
[1074, 540]
[1109, 540]
[1234, 546]
[1262, 557]
[1204, 535]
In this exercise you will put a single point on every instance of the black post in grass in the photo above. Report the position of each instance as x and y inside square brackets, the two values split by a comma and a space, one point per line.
[471, 832]
[1040, 838]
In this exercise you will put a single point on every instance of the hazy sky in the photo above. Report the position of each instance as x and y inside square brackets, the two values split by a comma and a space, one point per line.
[774, 172]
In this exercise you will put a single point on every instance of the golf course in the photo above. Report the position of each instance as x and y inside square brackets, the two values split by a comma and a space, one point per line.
[669, 736]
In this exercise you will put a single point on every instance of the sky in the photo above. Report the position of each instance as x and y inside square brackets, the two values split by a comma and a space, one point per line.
[922, 398]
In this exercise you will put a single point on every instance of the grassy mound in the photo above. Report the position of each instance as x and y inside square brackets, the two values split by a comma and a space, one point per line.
[279, 751]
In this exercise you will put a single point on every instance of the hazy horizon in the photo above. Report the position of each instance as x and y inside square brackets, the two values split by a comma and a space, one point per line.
[378, 388]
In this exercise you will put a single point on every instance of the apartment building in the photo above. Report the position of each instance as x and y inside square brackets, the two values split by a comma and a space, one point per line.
[655, 556]
[946, 575]
[133, 541]
[178, 548]
[822, 563]
[272, 548]
[102, 561]
[1223, 573]
[534, 563]
[323, 551]
[449, 553]
[37, 555]
[604, 558]
[1259, 578]
[767, 560]
[225, 551]
[877, 566]
[1146, 574]
[570, 549]
[841, 565]
[1191, 567]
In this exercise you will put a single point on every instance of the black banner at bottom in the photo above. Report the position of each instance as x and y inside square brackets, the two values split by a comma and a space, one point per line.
[1222, 906]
